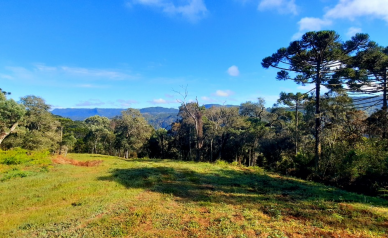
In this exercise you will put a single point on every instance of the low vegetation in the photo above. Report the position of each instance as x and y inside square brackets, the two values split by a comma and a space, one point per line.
[166, 198]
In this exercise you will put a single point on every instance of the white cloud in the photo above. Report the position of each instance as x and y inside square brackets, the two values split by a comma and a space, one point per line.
[353, 31]
[96, 73]
[159, 101]
[4, 76]
[350, 9]
[42, 73]
[20, 72]
[313, 24]
[126, 103]
[207, 99]
[311, 86]
[282, 6]
[90, 102]
[162, 101]
[345, 9]
[310, 24]
[224, 93]
[65, 76]
[193, 10]
[89, 86]
[233, 71]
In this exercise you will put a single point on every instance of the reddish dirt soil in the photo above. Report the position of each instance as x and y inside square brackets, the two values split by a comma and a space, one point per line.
[62, 160]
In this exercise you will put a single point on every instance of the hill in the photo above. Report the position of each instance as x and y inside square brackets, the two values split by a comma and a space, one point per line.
[165, 198]
[81, 114]
[158, 117]
[367, 104]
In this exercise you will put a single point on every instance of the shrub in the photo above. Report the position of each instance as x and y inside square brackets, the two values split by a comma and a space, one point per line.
[21, 156]
[221, 163]
[15, 173]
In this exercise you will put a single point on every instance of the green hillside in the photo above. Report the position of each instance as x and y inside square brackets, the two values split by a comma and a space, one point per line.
[165, 198]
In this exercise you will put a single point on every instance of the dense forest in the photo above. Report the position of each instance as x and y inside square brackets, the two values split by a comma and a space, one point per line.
[327, 137]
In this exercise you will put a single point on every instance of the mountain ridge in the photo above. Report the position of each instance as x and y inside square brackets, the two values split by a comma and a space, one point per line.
[158, 117]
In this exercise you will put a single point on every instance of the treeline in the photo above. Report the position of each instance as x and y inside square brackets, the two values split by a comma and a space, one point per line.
[324, 137]
[280, 139]
[30, 125]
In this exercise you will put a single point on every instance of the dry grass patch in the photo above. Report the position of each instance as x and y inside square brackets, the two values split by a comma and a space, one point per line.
[63, 160]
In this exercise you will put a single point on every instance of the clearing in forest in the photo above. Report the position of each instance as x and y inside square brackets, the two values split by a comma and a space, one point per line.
[165, 198]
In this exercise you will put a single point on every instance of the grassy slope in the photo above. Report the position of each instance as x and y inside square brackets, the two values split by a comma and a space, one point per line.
[150, 198]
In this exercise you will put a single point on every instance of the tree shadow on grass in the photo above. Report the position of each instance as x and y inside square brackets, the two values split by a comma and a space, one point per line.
[274, 195]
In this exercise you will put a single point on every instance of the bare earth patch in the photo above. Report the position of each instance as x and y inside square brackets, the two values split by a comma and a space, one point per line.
[90, 163]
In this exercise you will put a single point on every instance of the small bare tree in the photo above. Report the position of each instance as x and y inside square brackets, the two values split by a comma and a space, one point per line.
[195, 112]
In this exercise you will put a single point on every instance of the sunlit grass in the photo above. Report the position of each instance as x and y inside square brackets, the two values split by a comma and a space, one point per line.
[164, 198]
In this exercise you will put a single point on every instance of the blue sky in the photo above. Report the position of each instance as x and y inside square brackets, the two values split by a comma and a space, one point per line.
[140, 53]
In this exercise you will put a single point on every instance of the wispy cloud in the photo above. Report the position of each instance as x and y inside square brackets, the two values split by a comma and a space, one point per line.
[352, 31]
[233, 71]
[4, 76]
[90, 86]
[208, 100]
[193, 10]
[19, 72]
[282, 6]
[123, 103]
[223, 93]
[65, 76]
[84, 72]
[90, 103]
[126, 103]
[162, 101]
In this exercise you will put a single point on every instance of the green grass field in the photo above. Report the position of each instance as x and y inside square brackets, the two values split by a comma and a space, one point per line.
[165, 198]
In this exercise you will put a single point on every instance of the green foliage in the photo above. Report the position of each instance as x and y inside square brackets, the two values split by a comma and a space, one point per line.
[38, 130]
[22, 156]
[132, 131]
[11, 114]
[221, 163]
[15, 173]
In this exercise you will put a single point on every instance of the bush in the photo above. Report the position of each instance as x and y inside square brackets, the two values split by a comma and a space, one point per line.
[221, 163]
[21, 156]
[15, 173]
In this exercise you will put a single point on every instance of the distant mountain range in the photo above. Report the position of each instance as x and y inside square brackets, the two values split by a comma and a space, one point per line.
[369, 105]
[161, 117]
[81, 114]
[158, 117]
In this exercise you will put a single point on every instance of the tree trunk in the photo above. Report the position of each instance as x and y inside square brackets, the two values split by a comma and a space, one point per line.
[317, 117]
[190, 143]
[211, 150]
[296, 128]
[60, 143]
[5, 134]
[385, 90]
[199, 131]
[95, 147]
[162, 147]
[384, 108]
